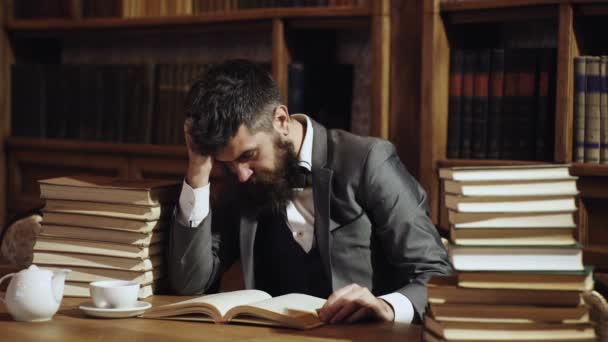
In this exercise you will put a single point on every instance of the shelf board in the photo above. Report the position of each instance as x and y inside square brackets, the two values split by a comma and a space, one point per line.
[266, 14]
[590, 8]
[483, 162]
[468, 5]
[587, 169]
[66, 145]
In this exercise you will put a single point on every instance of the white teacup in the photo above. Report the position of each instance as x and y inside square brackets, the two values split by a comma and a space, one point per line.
[114, 294]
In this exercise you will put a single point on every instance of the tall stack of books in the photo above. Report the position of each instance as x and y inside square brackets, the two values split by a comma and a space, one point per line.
[519, 270]
[105, 228]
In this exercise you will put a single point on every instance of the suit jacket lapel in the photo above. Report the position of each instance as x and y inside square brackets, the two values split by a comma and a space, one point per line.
[321, 176]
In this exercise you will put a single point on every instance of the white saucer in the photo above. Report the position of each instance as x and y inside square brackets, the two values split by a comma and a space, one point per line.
[91, 310]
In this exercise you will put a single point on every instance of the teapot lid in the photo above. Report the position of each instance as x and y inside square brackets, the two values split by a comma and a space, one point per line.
[34, 269]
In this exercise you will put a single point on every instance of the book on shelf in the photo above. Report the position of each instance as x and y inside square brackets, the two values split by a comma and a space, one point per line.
[102, 235]
[447, 291]
[506, 173]
[504, 204]
[545, 107]
[455, 101]
[563, 187]
[532, 280]
[511, 220]
[495, 102]
[604, 110]
[48, 244]
[512, 236]
[88, 274]
[580, 89]
[134, 212]
[110, 190]
[74, 289]
[468, 89]
[525, 103]
[508, 313]
[481, 76]
[592, 110]
[516, 258]
[97, 261]
[292, 310]
[103, 222]
[463, 331]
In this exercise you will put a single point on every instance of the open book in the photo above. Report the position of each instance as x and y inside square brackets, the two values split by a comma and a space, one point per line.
[292, 310]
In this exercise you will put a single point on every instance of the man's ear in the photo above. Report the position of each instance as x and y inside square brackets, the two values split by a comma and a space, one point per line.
[280, 120]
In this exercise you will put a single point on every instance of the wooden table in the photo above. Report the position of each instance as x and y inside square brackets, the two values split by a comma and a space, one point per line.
[70, 324]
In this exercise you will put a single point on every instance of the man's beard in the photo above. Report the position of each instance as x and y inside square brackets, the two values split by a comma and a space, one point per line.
[271, 190]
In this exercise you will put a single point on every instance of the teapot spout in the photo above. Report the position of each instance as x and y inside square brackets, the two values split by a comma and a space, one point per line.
[59, 284]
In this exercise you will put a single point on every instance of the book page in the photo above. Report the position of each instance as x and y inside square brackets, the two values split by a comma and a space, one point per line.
[214, 305]
[293, 310]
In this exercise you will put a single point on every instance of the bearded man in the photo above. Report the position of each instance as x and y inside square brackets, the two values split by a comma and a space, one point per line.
[321, 212]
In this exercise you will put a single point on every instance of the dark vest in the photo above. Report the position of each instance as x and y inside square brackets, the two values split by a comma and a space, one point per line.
[281, 266]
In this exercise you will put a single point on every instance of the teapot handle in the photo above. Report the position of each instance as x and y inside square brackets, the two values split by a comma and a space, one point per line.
[1, 280]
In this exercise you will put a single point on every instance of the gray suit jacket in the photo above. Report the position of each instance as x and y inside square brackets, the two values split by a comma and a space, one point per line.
[371, 226]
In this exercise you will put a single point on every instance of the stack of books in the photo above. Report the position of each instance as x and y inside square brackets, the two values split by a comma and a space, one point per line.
[519, 270]
[105, 229]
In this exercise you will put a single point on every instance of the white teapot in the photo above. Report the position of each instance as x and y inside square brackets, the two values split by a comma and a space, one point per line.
[34, 294]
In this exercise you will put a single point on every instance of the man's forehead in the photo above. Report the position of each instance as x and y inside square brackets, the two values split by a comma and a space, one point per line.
[241, 142]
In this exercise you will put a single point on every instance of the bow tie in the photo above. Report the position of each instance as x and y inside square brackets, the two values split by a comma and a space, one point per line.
[302, 179]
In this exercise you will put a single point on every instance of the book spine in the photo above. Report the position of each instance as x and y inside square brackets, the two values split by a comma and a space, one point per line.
[467, 104]
[543, 131]
[507, 148]
[495, 102]
[580, 86]
[604, 110]
[454, 106]
[480, 105]
[526, 102]
[592, 111]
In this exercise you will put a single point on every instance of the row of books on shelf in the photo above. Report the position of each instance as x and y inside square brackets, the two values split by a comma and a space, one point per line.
[501, 103]
[105, 229]
[145, 103]
[591, 109]
[30, 9]
[519, 272]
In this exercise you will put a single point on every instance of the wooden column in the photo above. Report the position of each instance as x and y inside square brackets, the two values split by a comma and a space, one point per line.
[380, 68]
[406, 41]
[6, 59]
[567, 49]
[280, 56]
[434, 101]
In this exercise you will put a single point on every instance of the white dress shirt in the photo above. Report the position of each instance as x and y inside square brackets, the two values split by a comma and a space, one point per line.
[194, 207]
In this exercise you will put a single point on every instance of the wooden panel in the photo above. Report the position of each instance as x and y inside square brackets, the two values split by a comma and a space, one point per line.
[593, 186]
[6, 59]
[406, 40]
[267, 14]
[596, 218]
[449, 6]
[502, 15]
[566, 51]
[157, 168]
[27, 167]
[434, 105]
[280, 57]
[381, 54]
[588, 169]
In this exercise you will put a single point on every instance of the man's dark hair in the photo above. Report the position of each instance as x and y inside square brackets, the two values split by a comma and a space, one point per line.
[226, 96]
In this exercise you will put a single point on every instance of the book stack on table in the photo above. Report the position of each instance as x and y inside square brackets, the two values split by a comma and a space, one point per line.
[519, 272]
[105, 229]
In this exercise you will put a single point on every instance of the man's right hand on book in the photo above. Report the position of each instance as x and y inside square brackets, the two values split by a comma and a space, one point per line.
[199, 166]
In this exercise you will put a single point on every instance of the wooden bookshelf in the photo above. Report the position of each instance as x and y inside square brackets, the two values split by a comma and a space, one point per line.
[27, 159]
[573, 24]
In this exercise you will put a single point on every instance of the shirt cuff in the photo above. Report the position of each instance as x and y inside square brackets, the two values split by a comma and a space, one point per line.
[193, 205]
[404, 311]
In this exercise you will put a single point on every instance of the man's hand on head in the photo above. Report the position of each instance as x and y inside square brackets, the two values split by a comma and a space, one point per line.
[199, 166]
[354, 303]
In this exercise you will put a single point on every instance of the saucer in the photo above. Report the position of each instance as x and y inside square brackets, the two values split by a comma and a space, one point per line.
[91, 310]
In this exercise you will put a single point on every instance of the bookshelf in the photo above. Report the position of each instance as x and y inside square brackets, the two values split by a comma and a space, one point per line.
[276, 36]
[570, 27]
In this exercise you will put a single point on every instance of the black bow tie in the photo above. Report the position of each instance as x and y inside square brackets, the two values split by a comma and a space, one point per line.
[302, 179]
